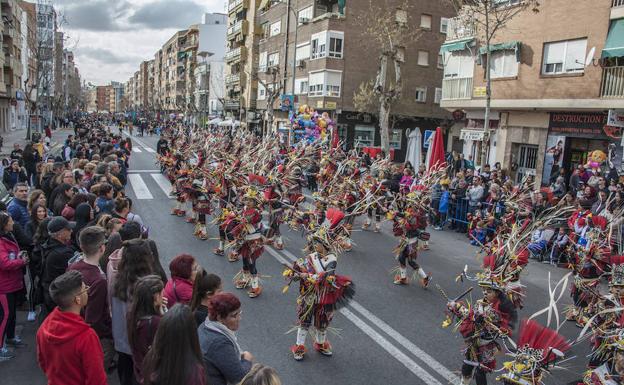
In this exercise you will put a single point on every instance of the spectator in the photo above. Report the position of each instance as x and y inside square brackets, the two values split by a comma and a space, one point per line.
[97, 311]
[57, 253]
[69, 210]
[65, 192]
[132, 217]
[261, 375]
[37, 196]
[475, 195]
[13, 175]
[68, 350]
[574, 180]
[83, 216]
[18, 207]
[443, 206]
[17, 152]
[558, 188]
[175, 356]
[121, 209]
[104, 201]
[183, 270]
[559, 245]
[31, 157]
[224, 360]
[205, 287]
[600, 204]
[143, 319]
[37, 214]
[122, 275]
[12, 264]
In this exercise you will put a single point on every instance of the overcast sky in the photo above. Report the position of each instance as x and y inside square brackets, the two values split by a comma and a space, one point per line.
[110, 38]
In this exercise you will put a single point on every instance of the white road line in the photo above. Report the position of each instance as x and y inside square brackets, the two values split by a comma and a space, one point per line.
[390, 348]
[136, 149]
[140, 188]
[407, 344]
[163, 183]
[384, 343]
[148, 149]
[142, 171]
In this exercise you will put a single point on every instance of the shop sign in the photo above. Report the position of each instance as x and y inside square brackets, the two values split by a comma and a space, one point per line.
[480, 92]
[287, 102]
[319, 104]
[330, 105]
[616, 118]
[578, 123]
[474, 135]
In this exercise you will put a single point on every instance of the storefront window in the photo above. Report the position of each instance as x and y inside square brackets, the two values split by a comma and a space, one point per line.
[395, 139]
[364, 136]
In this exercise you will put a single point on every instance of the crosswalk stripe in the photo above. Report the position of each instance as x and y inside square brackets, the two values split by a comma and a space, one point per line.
[162, 182]
[140, 188]
[149, 150]
[136, 149]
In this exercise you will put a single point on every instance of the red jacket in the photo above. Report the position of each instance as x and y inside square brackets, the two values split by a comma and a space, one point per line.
[69, 351]
[178, 290]
[11, 267]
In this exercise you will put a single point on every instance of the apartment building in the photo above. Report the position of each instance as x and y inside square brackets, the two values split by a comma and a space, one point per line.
[317, 49]
[241, 60]
[11, 76]
[555, 76]
[209, 74]
[102, 98]
[116, 97]
[28, 61]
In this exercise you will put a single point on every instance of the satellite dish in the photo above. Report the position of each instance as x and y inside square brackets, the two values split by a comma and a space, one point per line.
[590, 56]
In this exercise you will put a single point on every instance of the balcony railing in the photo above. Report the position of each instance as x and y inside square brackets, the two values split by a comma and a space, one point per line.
[239, 27]
[617, 3]
[612, 86]
[234, 54]
[232, 105]
[232, 79]
[235, 4]
[459, 28]
[458, 88]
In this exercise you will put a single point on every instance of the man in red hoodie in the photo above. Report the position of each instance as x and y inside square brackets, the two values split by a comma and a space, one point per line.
[68, 350]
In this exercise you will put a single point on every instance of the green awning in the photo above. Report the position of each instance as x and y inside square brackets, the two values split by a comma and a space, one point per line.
[459, 45]
[511, 45]
[614, 46]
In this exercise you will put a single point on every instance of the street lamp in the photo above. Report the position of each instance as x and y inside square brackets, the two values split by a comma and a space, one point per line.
[294, 64]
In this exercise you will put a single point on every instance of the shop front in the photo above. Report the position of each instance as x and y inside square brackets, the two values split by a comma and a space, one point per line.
[580, 138]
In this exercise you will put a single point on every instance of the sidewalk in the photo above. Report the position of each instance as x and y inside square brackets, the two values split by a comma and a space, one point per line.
[18, 136]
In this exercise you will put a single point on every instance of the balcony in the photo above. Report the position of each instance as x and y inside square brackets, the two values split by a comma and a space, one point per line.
[457, 88]
[235, 6]
[459, 28]
[617, 9]
[234, 55]
[235, 79]
[612, 86]
[240, 27]
[232, 105]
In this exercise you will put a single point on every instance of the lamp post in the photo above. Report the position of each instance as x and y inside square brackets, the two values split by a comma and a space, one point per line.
[294, 64]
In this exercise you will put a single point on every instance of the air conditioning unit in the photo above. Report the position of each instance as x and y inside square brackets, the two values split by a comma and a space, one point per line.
[304, 20]
[301, 63]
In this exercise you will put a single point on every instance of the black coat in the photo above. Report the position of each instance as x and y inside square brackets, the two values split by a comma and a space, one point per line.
[56, 256]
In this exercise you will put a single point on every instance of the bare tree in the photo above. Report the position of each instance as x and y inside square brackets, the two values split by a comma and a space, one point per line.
[273, 89]
[389, 29]
[489, 17]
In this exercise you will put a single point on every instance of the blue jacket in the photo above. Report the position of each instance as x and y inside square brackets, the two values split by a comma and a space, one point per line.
[19, 212]
[220, 360]
[444, 202]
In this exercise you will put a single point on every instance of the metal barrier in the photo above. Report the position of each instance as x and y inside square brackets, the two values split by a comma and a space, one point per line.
[460, 208]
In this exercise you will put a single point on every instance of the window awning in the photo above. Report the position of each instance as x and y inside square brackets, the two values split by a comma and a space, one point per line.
[510, 45]
[459, 45]
[614, 46]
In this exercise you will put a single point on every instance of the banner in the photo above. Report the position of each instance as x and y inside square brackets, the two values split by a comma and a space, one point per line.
[616, 118]
[553, 159]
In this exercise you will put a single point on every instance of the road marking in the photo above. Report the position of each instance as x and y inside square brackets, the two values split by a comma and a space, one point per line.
[140, 188]
[136, 149]
[148, 149]
[407, 344]
[142, 171]
[383, 342]
[390, 348]
[163, 183]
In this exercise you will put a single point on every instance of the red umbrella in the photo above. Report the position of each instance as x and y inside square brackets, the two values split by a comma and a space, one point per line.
[437, 159]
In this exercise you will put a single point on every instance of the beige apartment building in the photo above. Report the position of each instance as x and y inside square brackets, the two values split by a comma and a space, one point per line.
[11, 74]
[322, 57]
[241, 60]
[555, 76]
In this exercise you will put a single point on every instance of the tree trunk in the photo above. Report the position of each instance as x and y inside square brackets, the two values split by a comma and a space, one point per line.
[384, 123]
[488, 93]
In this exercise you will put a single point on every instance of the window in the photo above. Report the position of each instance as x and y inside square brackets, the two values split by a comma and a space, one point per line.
[423, 58]
[503, 64]
[262, 62]
[505, 3]
[318, 42]
[301, 86]
[425, 21]
[261, 92]
[438, 95]
[325, 83]
[459, 64]
[303, 52]
[564, 57]
[276, 28]
[305, 15]
[444, 23]
[335, 44]
[421, 94]
[440, 61]
[396, 136]
[273, 59]
[364, 136]
[265, 30]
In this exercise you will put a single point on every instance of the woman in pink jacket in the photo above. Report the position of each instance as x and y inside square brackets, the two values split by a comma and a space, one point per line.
[179, 288]
[12, 264]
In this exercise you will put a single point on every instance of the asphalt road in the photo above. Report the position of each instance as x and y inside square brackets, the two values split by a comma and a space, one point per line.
[388, 335]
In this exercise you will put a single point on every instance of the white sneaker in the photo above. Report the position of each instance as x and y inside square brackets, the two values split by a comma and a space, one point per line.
[32, 315]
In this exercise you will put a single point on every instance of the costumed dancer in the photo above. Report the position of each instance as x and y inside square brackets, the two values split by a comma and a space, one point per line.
[321, 290]
[273, 200]
[410, 227]
[612, 371]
